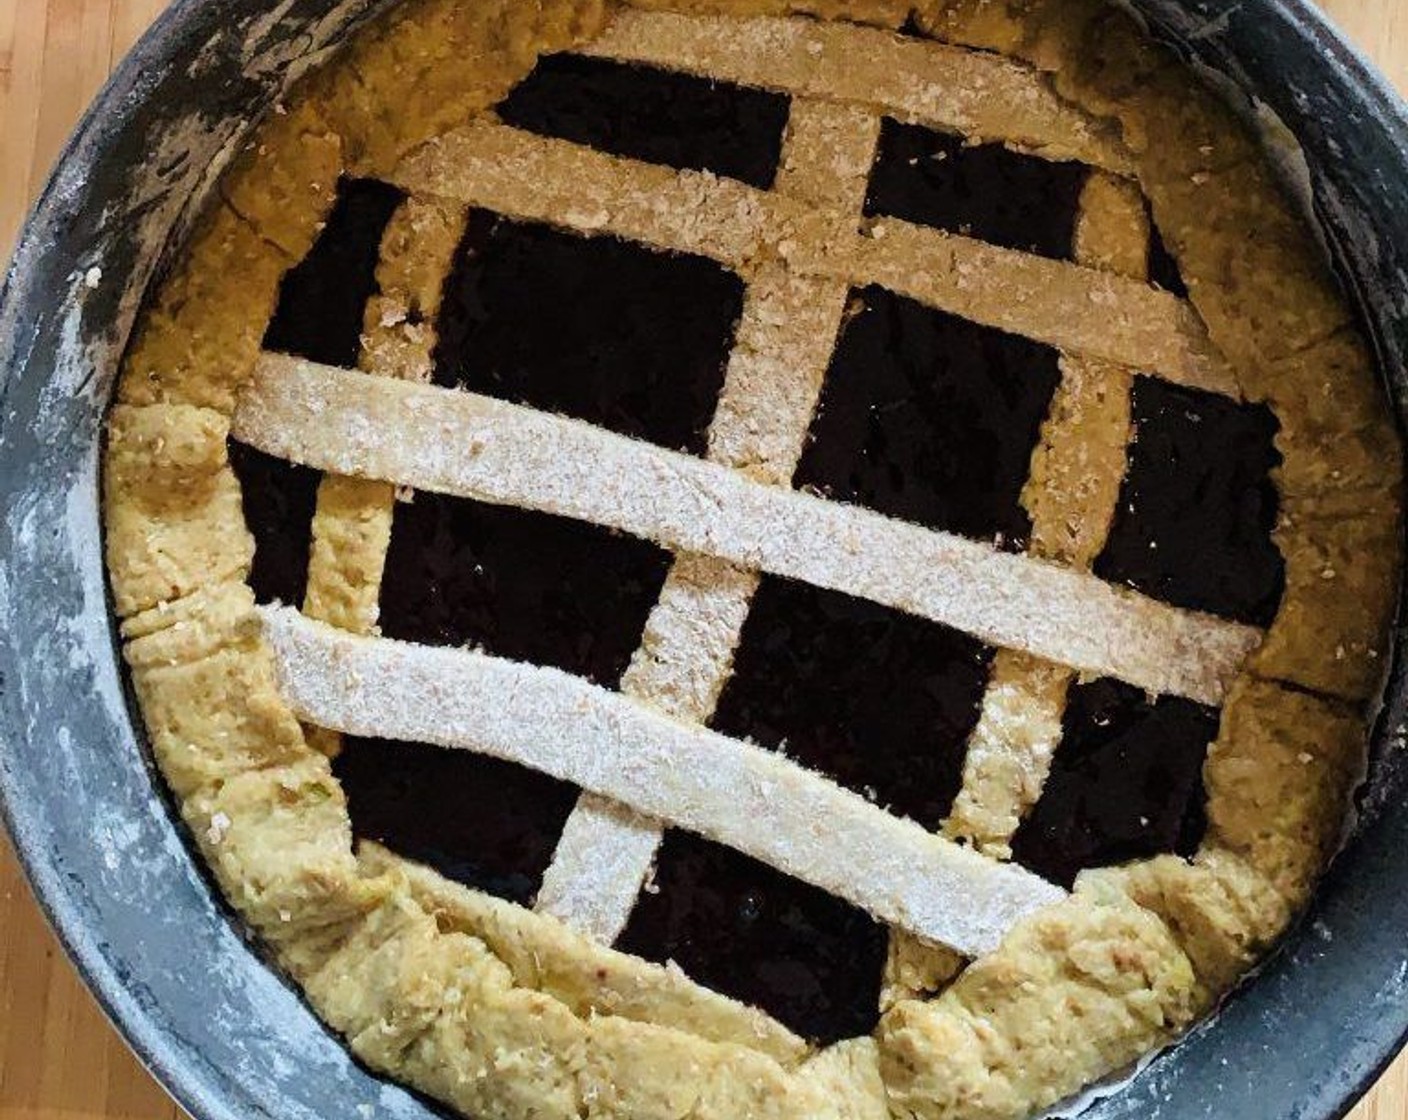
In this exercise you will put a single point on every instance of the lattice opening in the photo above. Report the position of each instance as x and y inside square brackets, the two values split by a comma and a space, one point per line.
[592, 327]
[931, 418]
[987, 191]
[1126, 782]
[659, 116]
[485, 823]
[1198, 507]
[279, 499]
[521, 585]
[323, 297]
[1163, 268]
[880, 701]
[744, 929]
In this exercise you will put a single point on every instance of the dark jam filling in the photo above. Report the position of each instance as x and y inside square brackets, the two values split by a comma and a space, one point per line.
[608, 332]
[985, 191]
[880, 701]
[930, 418]
[279, 501]
[1197, 508]
[323, 298]
[485, 823]
[520, 585]
[1126, 782]
[743, 929]
[1163, 268]
[912, 28]
[653, 115]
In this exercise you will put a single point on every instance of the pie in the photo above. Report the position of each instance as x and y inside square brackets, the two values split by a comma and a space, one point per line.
[755, 558]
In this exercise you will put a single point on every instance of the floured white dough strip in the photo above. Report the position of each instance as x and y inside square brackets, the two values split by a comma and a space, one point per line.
[1074, 308]
[981, 95]
[522, 175]
[492, 451]
[489, 450]
[1077, 309]
[733, 792]
[600, 863]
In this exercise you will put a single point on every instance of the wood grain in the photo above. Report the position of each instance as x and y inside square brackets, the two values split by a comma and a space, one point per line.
[59, 1058]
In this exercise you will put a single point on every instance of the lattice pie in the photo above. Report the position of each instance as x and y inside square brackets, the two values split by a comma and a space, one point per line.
[755, 559]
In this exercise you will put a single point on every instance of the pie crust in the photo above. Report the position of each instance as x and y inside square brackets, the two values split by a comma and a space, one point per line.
[499, 1010]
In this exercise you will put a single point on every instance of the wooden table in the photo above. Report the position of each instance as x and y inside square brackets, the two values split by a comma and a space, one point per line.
[58, 1057]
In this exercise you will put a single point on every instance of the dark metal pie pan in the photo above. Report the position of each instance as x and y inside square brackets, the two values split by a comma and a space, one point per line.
[98, 837]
